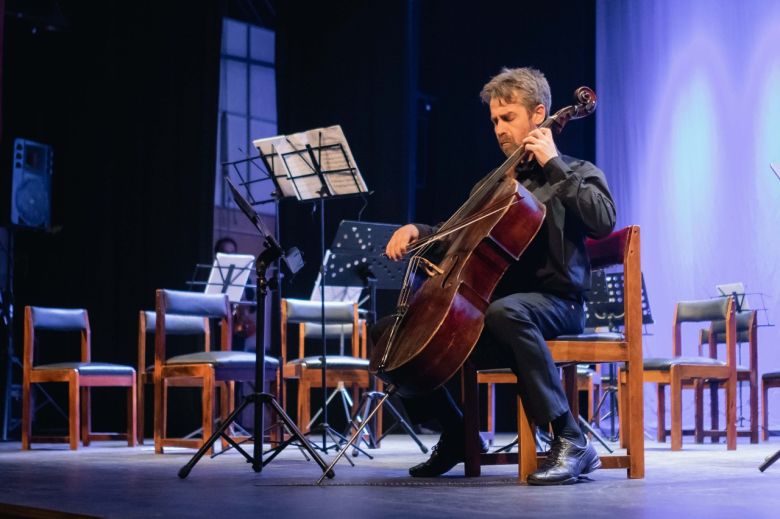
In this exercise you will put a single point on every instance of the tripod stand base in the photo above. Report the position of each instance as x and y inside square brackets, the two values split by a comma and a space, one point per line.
[256, 460]
[769, 461]
[374, 399]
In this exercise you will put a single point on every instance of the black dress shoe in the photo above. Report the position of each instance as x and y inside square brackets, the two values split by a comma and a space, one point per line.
[444, 455]
[565, 463]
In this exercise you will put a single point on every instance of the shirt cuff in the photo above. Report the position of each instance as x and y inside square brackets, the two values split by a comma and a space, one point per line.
[556, 170]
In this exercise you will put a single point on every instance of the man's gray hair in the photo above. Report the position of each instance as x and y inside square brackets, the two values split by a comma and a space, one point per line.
[525, 85]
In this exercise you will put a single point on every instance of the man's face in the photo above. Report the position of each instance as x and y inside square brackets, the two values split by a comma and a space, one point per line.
[512, 122]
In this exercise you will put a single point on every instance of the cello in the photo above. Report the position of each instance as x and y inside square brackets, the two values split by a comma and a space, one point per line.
[441, 308]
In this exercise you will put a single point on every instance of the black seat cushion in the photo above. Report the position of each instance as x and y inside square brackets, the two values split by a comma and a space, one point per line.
[90, 368]
[582, 369]
[775, 375]
[665, 364]
[220, 358]
[334, 361]
[270, 362]
[606, 336]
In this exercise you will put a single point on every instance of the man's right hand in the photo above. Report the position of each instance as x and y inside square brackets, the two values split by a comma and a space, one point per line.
[396, 247]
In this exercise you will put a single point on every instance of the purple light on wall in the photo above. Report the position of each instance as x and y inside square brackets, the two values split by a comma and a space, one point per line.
[688, 122]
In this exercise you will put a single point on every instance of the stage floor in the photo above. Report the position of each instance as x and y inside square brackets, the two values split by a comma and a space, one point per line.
[112, 480]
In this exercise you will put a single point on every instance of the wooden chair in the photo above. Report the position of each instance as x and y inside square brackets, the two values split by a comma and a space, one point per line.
[209, 367]
[620, 248]
[174, 325]
[768, 381]
[715, 335]
[679, 371]
[80, 376]
[341, 320]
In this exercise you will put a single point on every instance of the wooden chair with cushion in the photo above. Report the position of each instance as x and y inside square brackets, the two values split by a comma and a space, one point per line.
[209, 367]
[620, 248]
[341, 319]
[80, 376]
[174, 325]
[715, 335]
[679, 371]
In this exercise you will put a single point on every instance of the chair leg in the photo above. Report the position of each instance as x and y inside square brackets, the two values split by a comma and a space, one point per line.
[132, 414]
[661, 411]
[140, 387]
[633, 419]
[731, 415]
[227, 394]
[159, 415]
[27, 413]
[304, 405]
[207, 401]
[74, 421]
[753, 408]
[166, 394]
[764, 408]
[714, 409]
[491, 412]
[86, 416]
[526, 445]
[698, 431]
[675, 395]
[591, 392]
[624, 414]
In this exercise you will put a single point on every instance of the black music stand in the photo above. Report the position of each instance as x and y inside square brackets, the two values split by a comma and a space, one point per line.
[605, 308]
[357, 259]
[314, 166]
[271, 252]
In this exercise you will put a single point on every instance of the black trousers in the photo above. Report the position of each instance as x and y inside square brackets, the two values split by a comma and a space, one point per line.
[516, 327]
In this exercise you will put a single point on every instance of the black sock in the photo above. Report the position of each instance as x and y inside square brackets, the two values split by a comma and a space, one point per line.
[567, 427]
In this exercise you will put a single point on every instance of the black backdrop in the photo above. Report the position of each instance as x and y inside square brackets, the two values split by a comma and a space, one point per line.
[126, 92]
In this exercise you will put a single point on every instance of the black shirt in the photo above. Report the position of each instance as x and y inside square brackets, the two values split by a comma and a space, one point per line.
[579, 205]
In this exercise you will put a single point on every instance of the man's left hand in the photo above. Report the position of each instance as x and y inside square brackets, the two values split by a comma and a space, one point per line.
[540, 143]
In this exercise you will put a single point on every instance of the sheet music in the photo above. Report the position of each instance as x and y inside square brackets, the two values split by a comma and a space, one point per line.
[272, 149]
[727, 289]
[229, 275]
[337, 164]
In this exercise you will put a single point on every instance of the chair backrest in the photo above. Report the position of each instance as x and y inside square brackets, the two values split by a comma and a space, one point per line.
[303, 312]
[55, 319]
[622, 248]
[721, 309]
[174, 325]
[173, 304]
[747, 332]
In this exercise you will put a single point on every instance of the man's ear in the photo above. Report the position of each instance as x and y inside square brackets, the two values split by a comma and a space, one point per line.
[538, 115]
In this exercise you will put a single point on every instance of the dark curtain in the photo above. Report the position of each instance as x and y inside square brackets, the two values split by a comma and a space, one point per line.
[127, 94]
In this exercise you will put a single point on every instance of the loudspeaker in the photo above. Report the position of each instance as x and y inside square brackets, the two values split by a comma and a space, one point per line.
[31, 187]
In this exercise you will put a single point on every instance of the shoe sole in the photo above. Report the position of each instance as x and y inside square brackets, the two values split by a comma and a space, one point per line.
[595, 464]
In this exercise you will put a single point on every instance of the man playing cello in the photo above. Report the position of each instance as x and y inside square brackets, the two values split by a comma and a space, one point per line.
[541, 296]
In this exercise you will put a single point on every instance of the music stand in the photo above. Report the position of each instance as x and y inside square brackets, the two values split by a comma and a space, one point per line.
[271, 252]
[357, 259]
[605, 308]
[315, 165]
